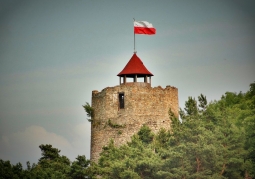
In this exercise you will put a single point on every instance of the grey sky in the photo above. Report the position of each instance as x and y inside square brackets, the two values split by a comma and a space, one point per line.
[54, 53]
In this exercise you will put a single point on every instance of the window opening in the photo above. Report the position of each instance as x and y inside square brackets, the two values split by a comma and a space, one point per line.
[121, 100]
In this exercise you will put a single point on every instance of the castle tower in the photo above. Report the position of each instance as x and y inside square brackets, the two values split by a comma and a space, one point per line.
[120, 111]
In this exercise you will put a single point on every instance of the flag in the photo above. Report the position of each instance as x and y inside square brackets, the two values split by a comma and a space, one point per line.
[144, 27]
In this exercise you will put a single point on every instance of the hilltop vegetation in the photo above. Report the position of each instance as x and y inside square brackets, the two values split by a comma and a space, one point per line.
[215, 140]
[50, 165]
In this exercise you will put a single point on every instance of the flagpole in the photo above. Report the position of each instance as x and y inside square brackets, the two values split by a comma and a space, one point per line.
[134, 38]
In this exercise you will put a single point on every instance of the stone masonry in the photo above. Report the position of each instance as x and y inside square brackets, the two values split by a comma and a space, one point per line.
[142, 105]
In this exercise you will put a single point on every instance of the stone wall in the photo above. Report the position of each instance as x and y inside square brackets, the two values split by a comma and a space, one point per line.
[143, 105]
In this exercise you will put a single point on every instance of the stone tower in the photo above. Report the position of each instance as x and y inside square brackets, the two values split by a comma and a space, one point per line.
[120, 111]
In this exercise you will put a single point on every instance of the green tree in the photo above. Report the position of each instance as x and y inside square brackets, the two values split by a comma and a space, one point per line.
[191, 107]
[228, 115]
[79, 168]
[49, 153]
[51, 164]
[89, 110]
[202, 103]
[248, 118]
[145, 134]
[193, 151]
[6, 170]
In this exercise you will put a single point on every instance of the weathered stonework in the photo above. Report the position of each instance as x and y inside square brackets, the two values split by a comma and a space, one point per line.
[143, 105]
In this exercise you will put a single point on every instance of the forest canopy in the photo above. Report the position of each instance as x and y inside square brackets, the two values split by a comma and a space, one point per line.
[212, 140]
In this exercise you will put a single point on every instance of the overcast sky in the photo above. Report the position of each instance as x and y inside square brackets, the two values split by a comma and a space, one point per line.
[53, 53]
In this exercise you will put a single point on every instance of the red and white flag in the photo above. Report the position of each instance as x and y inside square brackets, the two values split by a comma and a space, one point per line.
[144, 27]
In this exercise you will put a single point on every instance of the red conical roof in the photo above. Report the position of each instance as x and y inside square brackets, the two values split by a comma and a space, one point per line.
[135, 67]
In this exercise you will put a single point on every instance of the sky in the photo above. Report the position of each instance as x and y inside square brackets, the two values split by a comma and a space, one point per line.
[54, 53]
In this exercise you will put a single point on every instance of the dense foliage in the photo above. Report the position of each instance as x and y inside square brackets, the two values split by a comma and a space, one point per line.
[89, 110]
[215, 140]
[50, 165]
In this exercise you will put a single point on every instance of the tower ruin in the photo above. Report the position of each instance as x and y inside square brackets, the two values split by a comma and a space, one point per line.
[120, 111]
